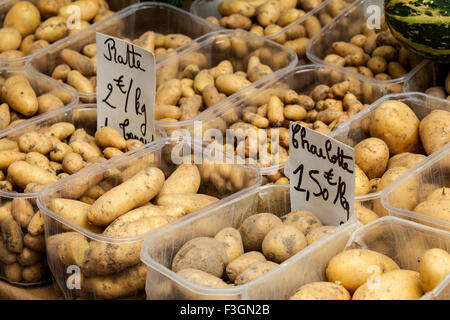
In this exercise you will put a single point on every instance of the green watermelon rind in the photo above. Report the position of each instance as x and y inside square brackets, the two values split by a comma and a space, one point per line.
[409, 22]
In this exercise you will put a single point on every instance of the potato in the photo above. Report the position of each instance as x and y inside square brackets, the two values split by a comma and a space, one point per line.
[51, 7]
[232, 241]
[123, 284]
[33, 141]
[28, 257]
[235, 267]
[11, 39]
[254, 271]
[303, 220]
[365, 215]
[22, 211]
[397, 125]
[268, 13]
[12, 235]
[433, 130]
[439, 193]
[24, 17]
[434, 208]
[6, 256]
[74, 211]
[352, 268]
[202, 278]
[23, 173]
[69, 247]
[405, 196]
[231, 83]
[190, 202]
[133, 193]
[19, 95]
[88, 9]
[13, 272]
[109, 137]
[317, 233]
[405, 159]
[362, 185]
[36, 243]
[48, 102]
[372, 156]
[36, 225]
[185, 179]
[282, 242]
[321, 291]
[434, 267]
[392, 285]
[205, 254]
[79, 82]
[52, 29]
[254, 229]
[7, 157]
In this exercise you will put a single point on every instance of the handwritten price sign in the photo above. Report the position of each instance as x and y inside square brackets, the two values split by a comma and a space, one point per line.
[125, 88]
[322, 178]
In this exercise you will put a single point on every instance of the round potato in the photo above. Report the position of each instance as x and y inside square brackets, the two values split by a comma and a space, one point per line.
[405, 159]
[202, 278]
[439, 193]
[372, 156]
[433, 130]
[435, 208]
[396, 124]
[283, 242]
[24, 17]
[392, 285]
[321, 291]
[10, 39]
[434, 267]
[255, 228]
[235, 267]
[254, 271]
[203, 253]
[232, 241]
[303, 220]
[362, 185]
[353, 267]
[318, 233]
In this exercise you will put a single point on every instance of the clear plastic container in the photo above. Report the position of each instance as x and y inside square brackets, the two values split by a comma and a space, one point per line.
[302, 80]
[429, 75]
[130, 22]
[159, 249]
[328, 9]
[354, 130]
[82, 116]
[401, 240]
[342, 28]
[115, 5]
[424, 178]
[227, 182]
[41, 84]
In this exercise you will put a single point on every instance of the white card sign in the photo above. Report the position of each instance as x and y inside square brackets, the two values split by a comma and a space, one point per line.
[322, 178]
[126, 77]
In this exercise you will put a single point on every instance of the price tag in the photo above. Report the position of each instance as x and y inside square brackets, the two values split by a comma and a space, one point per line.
[125, 88]
[322, 178]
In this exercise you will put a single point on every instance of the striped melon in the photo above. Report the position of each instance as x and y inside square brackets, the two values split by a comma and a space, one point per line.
[422, 26]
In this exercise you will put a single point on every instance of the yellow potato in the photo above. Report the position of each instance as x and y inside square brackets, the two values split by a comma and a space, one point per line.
[23, 173]
[232, 241]
[405, 159]
[303, 220]
[109, 137]
[317, 233]
[435, 208]
[190, 202]
[19, 95]
[433, 130]
[392, 285]
[52, 29]
[202, 278]
[88, 9]
[24, 17]
[255, 228]
[254, 271]
[365, 215]
[235, 267]
[362, 185]
[372, 156]
[434, 267]
[74, 211]
[10, 39]
[352, 268]
[282, 242]
[321, 291]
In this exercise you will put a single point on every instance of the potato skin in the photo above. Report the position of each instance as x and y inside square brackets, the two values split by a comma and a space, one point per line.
[254, 229]
[405, 159]
[362, 185]
[435, 208]
[74, 211]
[321, 291]
[232, 241]
[353, 267]
[23, 173]
[12, 235]
[397, 125]
[365, 215]
[283, 242]
[393, 285]
[303, 220]
[202, 278]
[203, 253]
[318, 233]
[133, 193]
[190, 202]
[235, 267]
[19, 95]
[434, 267]
[372, 156]
[434, 131]
[185, 179]
[24, 17]
[254, 271]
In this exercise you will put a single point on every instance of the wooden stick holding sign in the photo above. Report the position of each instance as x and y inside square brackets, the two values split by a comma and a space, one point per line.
[322, 178]
[126, 77]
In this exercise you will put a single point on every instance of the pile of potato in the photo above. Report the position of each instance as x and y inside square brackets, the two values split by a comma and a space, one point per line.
[238, 256]
[269, 17]
[398, 140]
[22, 98]
[375, 54]
[131, 200]
[22, 243]
[79, 69]
[31, 26]
[360, 274]
[442, 91]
